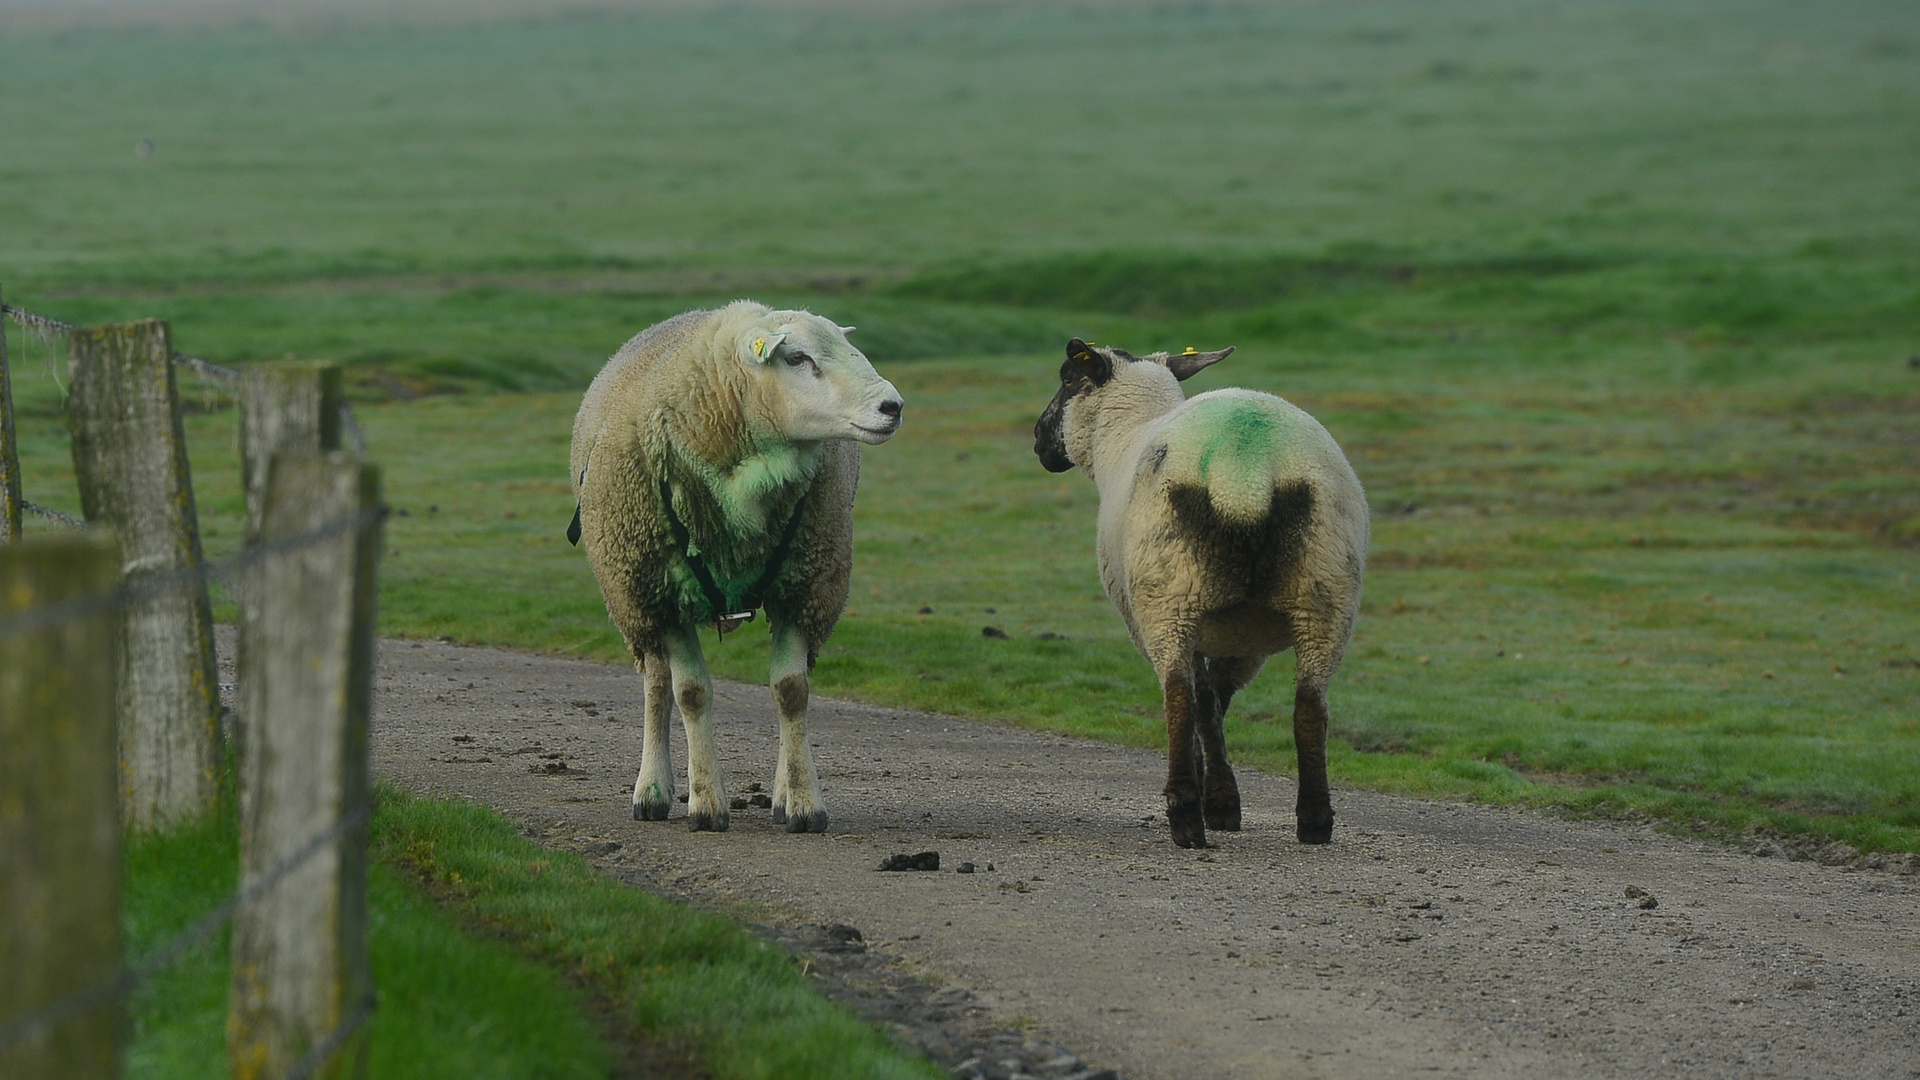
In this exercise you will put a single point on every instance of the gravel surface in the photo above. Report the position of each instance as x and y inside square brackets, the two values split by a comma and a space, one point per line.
[1427, 939]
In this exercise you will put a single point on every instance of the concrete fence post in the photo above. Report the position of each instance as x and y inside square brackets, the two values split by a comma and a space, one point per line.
[9, 448]
[130, 456]
[300, 970]
[290, 406]
[59, 823]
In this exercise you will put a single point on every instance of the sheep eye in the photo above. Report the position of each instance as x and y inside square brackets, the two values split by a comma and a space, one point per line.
[796, 358]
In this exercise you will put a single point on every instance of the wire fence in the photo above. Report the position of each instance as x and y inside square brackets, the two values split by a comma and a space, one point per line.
[47, 328]
[274, 620]
[171, 950]
[159, 584]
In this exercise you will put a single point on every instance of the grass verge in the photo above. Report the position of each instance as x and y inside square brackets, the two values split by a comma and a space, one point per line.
[692, 978]
[487, 971]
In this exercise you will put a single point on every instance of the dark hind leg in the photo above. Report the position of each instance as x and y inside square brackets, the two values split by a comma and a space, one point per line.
[1216, 679]
[1313, 811]
[1183, 760]
[1220, 794]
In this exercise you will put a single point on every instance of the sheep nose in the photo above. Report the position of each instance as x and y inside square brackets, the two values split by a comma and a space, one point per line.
[890, 407]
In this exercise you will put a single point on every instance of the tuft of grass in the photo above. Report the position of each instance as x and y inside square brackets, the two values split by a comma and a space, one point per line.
[688, 977]
[452, 1005]
[485, 947]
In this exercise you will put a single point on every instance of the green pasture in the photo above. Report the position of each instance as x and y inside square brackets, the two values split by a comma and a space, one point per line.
[1665, 569]
[855, 142]
[1611, 303]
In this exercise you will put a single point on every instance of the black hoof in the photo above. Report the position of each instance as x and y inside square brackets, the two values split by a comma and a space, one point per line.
[1315, 827]
[714, 822]
[815, 822]
[1225, 818]
[779, 813]
[1189, 830]
[651, 811]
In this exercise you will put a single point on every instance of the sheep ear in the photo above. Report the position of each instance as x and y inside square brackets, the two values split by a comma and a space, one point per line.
[1090, 365]
[1190, 363]
[757, 346]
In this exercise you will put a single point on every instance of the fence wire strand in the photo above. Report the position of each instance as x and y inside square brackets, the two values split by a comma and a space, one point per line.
[149, 587]
[39, 324]
[68, 520]
[46, 328]
[180, 944]
[311, 1061]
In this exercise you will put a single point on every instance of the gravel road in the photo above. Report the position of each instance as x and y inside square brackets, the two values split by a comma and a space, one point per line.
[1427, 939]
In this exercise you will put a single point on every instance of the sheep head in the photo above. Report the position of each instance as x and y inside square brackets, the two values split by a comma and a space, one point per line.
[811, 384]
[1138, 384]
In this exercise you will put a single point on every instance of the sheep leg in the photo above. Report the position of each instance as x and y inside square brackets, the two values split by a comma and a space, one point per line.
[797, 802]
[693, 689]
[1313, 811]
[1214, 684]
[653, 788]
[1183, 763]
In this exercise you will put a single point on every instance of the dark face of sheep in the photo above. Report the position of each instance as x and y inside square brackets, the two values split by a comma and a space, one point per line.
[1087, 369]
[1084, 370]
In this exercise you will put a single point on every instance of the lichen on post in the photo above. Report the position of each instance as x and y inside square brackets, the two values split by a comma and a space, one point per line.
[288, 406]
[300, 974]
[130, 458]
[59, 825]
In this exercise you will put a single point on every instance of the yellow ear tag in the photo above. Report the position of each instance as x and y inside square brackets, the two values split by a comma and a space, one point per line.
[1190, 351]
[759, 346]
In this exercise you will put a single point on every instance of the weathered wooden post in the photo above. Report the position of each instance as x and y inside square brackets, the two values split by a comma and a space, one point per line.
[9, 448]
[301, 985]
[130, 456]
[59, 823]
[292, 406]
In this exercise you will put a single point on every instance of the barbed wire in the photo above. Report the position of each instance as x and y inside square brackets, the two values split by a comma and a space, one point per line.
[39, 324]
[174, 948]
[68, 520]
[149, 586]
[46, 326]
[208, 370]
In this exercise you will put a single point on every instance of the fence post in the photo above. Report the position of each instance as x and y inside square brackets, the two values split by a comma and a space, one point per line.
[59, 825]
[288, 406]
[130, 456]
[9, 448]
[300, 970]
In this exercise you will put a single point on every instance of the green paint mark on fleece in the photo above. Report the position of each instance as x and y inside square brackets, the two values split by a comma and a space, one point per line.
[1239, 434]
[744, 493]
[1233, 445]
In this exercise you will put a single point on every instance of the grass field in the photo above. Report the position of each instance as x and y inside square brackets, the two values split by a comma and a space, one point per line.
[1612, 304]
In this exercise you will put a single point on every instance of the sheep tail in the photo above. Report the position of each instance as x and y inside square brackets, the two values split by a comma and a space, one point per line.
[1230, 451]
[1243, 495]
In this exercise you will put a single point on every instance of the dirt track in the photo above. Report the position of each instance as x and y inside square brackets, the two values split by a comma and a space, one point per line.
[1426, 939]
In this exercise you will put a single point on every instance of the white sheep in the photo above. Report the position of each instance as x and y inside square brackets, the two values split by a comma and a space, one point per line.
[714, 460]
[1231, 528]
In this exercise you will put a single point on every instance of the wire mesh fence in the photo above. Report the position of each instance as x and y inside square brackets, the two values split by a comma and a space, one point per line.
[109, 715]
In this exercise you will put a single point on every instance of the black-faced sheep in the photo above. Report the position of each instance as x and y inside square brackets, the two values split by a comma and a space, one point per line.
[715, 459]
[1231, 528]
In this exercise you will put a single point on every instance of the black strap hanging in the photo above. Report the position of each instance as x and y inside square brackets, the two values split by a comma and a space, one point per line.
[724, 620]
